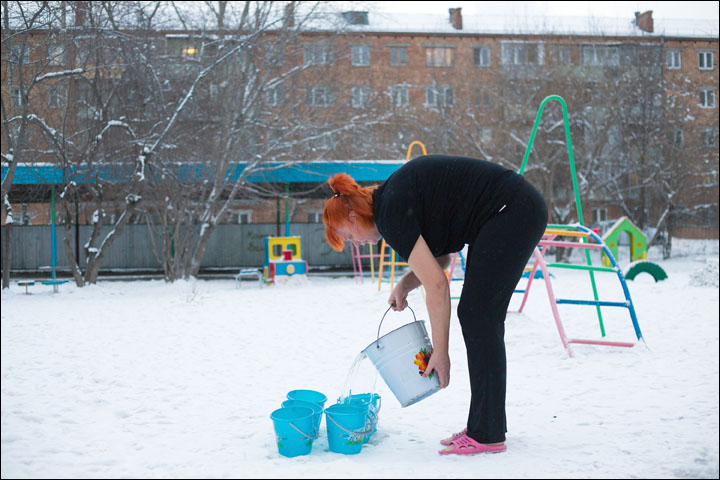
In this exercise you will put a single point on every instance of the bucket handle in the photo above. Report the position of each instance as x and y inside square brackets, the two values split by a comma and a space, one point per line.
[383, 318]
[367, 431]
[315, 436]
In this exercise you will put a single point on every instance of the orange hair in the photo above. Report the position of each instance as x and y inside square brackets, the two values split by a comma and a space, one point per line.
[348, 195]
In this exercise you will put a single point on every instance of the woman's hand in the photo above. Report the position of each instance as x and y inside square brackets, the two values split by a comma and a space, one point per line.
[440, 364]
[398, 298]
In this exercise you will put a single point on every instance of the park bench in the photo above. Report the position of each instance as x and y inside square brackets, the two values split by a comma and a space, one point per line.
[26, 284]
[249, 272]
[55, 284]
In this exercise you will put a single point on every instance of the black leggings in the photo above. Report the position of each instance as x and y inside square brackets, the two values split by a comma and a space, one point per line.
[494, 266]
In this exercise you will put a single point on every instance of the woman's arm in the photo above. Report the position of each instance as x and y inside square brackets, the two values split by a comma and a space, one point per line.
[429, 272]
[410, 282]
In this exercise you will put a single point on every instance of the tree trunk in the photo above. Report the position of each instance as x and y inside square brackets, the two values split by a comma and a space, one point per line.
[69, 255]
[7, 255]
[199, 252]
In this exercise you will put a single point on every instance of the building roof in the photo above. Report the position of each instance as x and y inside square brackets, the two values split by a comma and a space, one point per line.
[533, 25]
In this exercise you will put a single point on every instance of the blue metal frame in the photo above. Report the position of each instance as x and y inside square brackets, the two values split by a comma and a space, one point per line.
[628, 300]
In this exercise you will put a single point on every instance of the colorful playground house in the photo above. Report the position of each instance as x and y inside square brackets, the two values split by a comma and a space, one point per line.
[283, 259]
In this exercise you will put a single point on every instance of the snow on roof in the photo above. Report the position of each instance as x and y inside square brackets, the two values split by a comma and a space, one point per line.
[531, 25]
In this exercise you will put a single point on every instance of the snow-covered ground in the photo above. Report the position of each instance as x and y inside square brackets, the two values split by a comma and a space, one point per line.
[148, 379]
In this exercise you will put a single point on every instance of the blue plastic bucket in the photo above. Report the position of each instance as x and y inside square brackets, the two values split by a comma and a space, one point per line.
[317, 410]
[308, 396]
[370, 402]
[346, 427]
[294, 430]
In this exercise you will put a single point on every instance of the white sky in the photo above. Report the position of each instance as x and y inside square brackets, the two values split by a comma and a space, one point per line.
[667, 10]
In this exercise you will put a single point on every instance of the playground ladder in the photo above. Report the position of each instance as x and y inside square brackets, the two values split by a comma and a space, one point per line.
[584, 235]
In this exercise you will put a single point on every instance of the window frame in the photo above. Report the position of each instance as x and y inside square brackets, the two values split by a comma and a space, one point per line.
[675, 54]
[520, 58]
[603, 60]
[359, 95]
[16, 96]
[316, 216]
[314, 93]
[704, 97]
[19, 54]
[478, 56]
[315, 50]
[598, 213]
[706, 54]
[362, 59]
[394, 51]
[239, 215]
[404, 91]
[440, 96]
[55, 96]
[431, 57]
[709, 137]
[276, 96]
[56, 55]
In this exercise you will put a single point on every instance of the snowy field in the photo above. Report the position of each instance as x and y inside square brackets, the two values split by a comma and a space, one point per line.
[149, 380]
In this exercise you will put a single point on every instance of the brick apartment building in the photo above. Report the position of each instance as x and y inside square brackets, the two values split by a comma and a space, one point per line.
[471, 86]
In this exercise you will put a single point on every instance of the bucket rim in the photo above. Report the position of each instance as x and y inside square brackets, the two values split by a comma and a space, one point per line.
[422, 322]
[315, 392]
[301, 416]
[332, 408]
[316, 408]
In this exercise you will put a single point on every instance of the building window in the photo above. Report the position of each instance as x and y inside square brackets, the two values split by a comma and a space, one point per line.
[709, 136]
[705, 60]
[522, 53]
[399, 95]
[481, 56]
[18, 55]
[398, 56]
[318, 97]
[600, 55]
[562, 54]
[56, 97]
[182, 46]
[16, 97]
[275, 55]
[360, 95]
[360, 55]
[319, 53]
[677, 139]
[56, 54]
[707, 97]
[599, 215]
[442, 96]
[276, 96]
[673, 59]
[710, 178]
[244, 217]
[439, 56]
[314, 217]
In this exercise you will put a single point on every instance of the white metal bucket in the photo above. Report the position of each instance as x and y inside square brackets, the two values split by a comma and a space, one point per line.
[394, 356]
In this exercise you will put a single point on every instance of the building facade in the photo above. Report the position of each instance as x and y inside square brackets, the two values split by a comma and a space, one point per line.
[641, 101]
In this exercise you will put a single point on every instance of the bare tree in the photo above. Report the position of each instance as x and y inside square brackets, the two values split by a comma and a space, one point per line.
[28, 67]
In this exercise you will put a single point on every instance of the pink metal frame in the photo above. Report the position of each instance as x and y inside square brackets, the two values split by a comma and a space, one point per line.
[547, 241]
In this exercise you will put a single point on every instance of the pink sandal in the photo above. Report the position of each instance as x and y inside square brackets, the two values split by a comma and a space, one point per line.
[449, 441]
[465, 445]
